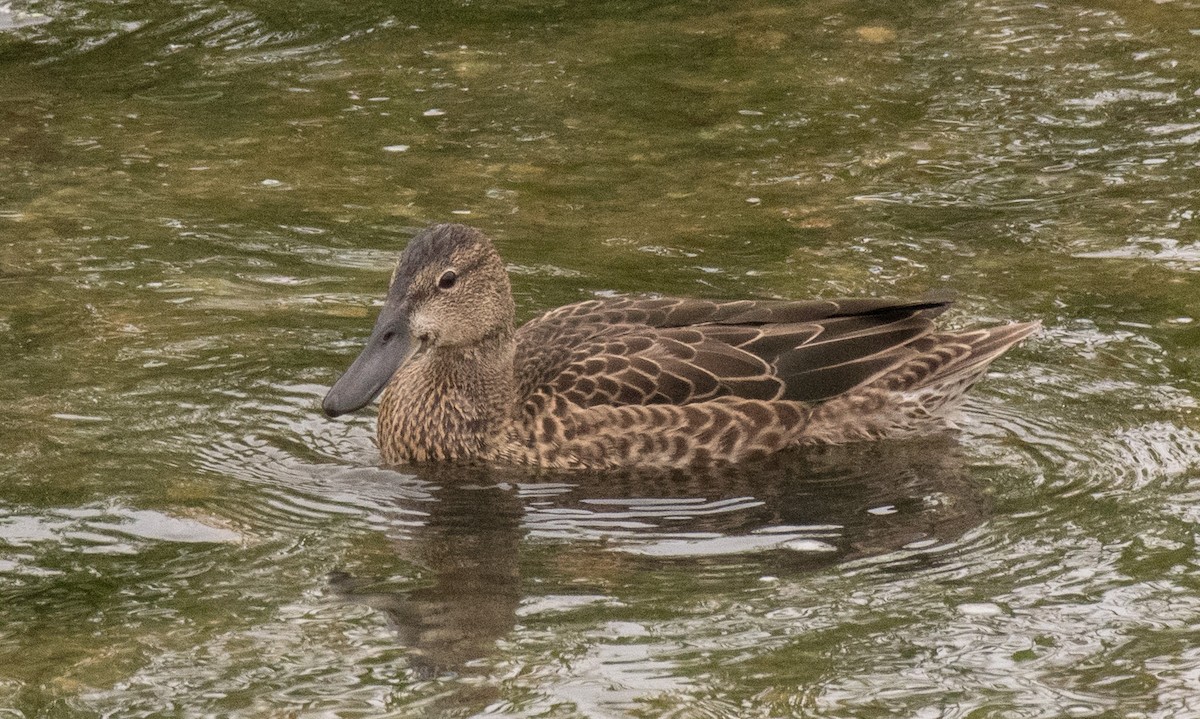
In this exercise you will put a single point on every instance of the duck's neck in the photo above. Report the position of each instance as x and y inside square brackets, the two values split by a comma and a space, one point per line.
[450, 404]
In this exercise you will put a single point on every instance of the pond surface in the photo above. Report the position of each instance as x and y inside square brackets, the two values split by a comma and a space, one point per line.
[200, 203]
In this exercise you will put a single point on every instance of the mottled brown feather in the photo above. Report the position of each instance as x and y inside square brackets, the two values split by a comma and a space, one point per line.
[802, 351]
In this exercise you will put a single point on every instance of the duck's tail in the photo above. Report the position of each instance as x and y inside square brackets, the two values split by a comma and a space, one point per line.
[952, 364]
[916, 397]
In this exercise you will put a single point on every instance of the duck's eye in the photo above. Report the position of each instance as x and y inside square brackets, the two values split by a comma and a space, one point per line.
[448, 279]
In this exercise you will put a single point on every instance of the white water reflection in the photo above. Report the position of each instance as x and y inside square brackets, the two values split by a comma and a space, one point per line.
[12, 18]
[109, 529]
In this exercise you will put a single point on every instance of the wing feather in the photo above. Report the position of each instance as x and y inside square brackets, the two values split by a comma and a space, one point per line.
[623, 351]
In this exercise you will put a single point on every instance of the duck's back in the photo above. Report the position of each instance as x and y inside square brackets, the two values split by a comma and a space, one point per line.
[603, 372]
[680, 351]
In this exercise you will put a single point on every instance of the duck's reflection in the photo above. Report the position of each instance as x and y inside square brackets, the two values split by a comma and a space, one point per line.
[794, 512]
[469, 549]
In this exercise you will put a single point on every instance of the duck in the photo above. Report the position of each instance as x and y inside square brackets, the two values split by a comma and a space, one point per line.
[628, 381]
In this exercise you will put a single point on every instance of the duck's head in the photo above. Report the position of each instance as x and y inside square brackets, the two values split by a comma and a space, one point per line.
[449, 290]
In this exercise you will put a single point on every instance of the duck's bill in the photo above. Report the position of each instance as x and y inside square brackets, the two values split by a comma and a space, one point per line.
[388, 348]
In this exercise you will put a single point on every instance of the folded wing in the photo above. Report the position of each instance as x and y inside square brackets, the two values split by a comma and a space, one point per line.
[626, 351]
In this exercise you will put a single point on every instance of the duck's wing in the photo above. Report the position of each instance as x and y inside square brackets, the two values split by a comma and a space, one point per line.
[625, 351]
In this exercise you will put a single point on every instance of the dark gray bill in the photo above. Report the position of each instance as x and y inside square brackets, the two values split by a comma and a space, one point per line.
[388, 348]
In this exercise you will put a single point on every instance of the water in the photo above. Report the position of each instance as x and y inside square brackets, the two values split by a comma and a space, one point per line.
[200, 203]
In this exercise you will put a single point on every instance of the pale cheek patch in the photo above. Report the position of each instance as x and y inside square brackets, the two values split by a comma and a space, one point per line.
[419, 325]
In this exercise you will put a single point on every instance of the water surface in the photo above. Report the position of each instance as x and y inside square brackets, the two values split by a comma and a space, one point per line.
[200, 203]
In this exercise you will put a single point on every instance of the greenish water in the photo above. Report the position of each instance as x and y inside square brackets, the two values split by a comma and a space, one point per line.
[200, 202]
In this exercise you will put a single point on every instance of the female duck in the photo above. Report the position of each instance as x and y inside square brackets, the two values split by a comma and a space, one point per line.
[662, 382]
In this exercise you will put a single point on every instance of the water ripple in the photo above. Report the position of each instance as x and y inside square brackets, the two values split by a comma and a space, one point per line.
[203, 214]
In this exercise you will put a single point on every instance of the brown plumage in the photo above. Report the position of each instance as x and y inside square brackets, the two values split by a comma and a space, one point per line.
[628, 382]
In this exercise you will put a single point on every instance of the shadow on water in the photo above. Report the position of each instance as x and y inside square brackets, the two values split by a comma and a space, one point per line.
[795, 513]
